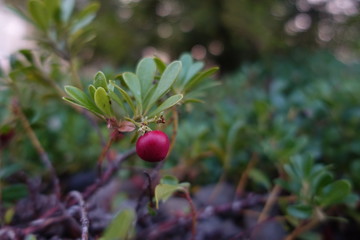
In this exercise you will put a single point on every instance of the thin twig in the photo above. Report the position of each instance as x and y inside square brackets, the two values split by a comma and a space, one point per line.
[108, 174]
[193, 215]
[84, 218]
[269, 203]
[39, 224]
[103, 154]
[245, 176]
[150, 190]
[217, 187]
[303, 228]
[147, 188]
[39, 148]
[157, 231]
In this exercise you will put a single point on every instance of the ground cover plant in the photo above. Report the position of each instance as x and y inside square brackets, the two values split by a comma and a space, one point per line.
[173, 149]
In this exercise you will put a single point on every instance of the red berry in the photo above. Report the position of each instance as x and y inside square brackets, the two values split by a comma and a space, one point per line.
[153, 146]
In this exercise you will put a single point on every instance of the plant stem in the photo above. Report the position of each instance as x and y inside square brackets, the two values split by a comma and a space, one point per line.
[108, 174]
[36, 143]
[150, 190]
[84, 218]
[302, 228]
[245, 176]
[193, 215]
[105, 150]
[269, 203]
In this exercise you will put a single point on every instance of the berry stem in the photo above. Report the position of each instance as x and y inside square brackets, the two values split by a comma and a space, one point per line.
[106, 148]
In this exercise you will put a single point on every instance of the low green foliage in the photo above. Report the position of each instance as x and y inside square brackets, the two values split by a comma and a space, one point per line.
[121, 227]
[288, 122]
[167, 187]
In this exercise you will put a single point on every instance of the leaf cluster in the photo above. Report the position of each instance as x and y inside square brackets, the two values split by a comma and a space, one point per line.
[143, 96]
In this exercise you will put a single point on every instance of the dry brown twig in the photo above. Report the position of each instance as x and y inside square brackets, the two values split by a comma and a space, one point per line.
[84, 216]
[36, 143]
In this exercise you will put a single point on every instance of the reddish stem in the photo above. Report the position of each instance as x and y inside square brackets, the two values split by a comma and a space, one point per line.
[193, 215]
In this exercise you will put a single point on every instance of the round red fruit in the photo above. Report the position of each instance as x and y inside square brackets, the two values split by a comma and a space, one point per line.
[153, 146]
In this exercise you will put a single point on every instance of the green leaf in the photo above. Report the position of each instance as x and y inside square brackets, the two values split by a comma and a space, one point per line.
[186, 62]
[103, 102]
[321, 180]
[233, 136]
[160, 65]
[85, 17]
[145, 71]
[335, 192]
[6, 171]
[300, 211]
[92, 91]
[307, 166]
[168, 103]
[100, 80]
[80, 38]
[81, 99]
[193, 69]
[149, 94]
[67, 7]
[51, 6]
[127, 98]
[9, 215]
[184, 185]
[38, 13]
[30, 237]
[168, 179]
[117, 99]
[193, 100]
[96, 111]
[133, 83]
[28, 55]
[164, 191]
[121, 227]
[13, 192]
[259, 177]
[166, 81]
[199, 77]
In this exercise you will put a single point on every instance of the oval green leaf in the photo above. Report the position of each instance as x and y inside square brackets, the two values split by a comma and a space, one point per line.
[85, 17]
[38, 13]
[193, 69]
[100, 80]
[300, 211]
[164, 191]
[194, 81]
[67, 7]
[127, 98]
[121, 227]
[133, 83]
[335, 192]
[103, 102]
[92, 91]
[117, 99]
[160, 64]
[166, 81]
[168, 103]
[81, 99]
[145, 71]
